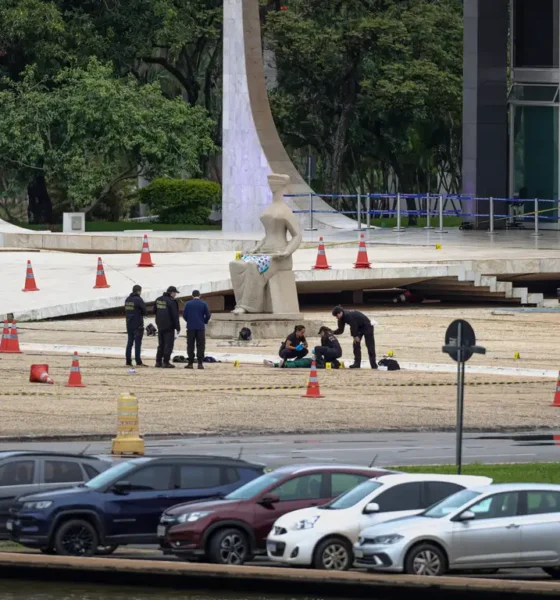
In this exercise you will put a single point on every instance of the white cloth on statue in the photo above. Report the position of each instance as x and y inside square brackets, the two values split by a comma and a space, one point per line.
[261, 260]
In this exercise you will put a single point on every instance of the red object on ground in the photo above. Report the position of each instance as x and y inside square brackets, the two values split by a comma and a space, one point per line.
[362, 262]
[40, 374]
[100, 279]
[556, 401]
[313, 390]
[30, 285]
[75, 379]
[321, 262]
[10, 340]
[145, 257]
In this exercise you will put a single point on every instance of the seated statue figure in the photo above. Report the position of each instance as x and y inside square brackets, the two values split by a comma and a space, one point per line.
[251, 274]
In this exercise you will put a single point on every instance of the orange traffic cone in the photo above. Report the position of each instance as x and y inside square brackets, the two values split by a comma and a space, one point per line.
[5, 337]
[321, 262]
[40, 374]
[100, 279]
[10, 340]
[30, 285]
[313, 390]
[556, 401]
[75, 379]
[362, 262]
[146, 257]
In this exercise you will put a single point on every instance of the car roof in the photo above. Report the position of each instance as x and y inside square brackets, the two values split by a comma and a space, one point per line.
[311, 468]
[517, 487]
[15, 453]
[201, 458]
[469, 480]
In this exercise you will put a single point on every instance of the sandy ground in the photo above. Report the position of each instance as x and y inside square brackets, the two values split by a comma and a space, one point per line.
[194, 402]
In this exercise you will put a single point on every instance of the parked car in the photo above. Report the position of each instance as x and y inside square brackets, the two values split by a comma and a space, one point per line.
[492, 527]
[123, 505]
[322, 537]
[233, 530]
[27, 472]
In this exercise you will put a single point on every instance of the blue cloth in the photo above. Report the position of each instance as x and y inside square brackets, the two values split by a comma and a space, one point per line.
[261, 260]
[196, 314]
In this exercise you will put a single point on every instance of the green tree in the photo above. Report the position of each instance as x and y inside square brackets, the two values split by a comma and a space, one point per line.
[87, 132]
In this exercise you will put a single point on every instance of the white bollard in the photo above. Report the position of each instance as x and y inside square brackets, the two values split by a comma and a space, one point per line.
[398, 228]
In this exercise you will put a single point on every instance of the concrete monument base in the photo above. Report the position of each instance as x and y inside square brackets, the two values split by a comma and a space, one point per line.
[263, 326]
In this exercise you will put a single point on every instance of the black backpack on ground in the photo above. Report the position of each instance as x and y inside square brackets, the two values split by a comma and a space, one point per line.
[390, 363]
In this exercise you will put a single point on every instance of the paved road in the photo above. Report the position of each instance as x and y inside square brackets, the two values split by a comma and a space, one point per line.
[384, 448]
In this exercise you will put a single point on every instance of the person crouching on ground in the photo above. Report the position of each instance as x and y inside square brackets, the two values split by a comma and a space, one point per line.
[166, 309]
[295, 346]
[135, 311]
[360, 327]
[196, 314]
[329, 350]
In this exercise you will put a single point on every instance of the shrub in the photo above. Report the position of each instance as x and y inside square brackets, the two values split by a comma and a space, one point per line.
[181, 201]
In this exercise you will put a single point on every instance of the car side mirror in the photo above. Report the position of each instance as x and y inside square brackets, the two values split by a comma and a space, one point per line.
[371, 508]
[468, 515]
[122, 487]
[269, 499]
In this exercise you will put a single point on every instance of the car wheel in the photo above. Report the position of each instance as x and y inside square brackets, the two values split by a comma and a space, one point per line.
[76, 538]
[554, 572]
[229, 547]
[333, 554]
[427, 560]
[105, 550]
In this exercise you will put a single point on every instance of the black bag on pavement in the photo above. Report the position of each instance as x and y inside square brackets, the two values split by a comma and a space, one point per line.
[390, 363]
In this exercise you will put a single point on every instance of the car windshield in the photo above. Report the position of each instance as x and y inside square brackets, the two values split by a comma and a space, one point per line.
[251, 489]
[450, 504]
[353, 496]
[113, 474]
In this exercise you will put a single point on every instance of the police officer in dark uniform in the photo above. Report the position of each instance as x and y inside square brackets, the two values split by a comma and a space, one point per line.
[166, 309]
[135, 310]
[360, 327]
[329, 350]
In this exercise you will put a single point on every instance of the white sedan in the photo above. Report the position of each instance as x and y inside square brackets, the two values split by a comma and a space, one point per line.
[323, 537]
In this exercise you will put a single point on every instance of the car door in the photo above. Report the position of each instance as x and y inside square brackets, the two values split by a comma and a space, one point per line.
[401, 500]
[135, 514]
[18, 476]
[298, 492]
[540, 528]
[493, 538]
[60, 473]
[199, 482]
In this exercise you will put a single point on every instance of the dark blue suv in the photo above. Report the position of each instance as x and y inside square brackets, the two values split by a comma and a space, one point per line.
[123, 505]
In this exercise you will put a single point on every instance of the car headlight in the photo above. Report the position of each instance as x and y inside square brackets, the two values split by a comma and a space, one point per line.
[387, 539]
[37, 505]
[305, 524]
[193, 517]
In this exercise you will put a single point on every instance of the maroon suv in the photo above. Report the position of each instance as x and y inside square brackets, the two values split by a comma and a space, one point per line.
[233, 530]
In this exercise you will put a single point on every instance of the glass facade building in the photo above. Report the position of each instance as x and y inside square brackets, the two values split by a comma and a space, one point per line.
[511, 104]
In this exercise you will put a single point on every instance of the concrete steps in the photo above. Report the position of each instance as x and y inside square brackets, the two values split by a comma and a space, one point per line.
[507, 290]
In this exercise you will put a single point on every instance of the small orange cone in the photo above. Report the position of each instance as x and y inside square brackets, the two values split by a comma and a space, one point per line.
[75, 379]
[145, 257]
[10, 340]
[40, 374]
[5, 337]
[30, 285]
[556, 401]
[362, 262]
[321, 262]
[100, 279]
[313, 390]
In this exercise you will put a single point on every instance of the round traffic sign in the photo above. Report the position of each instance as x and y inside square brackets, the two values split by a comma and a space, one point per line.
[467, 339]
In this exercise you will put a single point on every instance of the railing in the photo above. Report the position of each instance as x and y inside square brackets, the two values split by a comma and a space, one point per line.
[435, 206]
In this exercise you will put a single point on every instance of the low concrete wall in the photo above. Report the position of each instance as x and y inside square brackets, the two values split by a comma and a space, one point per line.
[262, 579]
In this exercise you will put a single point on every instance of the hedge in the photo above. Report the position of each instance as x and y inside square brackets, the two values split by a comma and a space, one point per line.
[181, 201]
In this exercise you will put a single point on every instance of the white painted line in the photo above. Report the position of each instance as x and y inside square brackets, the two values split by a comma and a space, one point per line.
[257, 359]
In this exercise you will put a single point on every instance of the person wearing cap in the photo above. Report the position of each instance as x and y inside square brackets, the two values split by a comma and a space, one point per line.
[135, 310]
[196, 314]
[360, 327]
[329, 350]
[166, 309]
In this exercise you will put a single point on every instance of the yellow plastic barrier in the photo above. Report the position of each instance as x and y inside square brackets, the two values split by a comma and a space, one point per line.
[128, 440]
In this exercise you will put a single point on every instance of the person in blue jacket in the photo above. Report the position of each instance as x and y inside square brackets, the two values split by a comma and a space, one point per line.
[196, 314]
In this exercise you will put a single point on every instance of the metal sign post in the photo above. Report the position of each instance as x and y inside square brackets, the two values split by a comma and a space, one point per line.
[460, 344]
[311, 174]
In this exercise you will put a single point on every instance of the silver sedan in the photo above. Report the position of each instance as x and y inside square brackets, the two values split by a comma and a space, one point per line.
[492, 527]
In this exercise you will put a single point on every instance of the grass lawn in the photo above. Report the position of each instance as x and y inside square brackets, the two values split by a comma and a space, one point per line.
[517, 473]
[391, 222]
